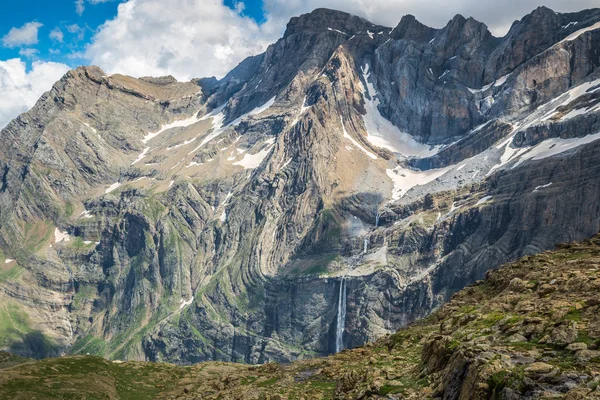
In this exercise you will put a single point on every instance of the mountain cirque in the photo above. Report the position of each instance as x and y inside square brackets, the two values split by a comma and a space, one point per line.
[530, 330]
[336, 188]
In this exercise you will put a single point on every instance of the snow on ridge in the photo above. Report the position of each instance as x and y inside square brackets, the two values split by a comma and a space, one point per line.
[554, 146]
[141, 156]
[112, 187]
[355, 143]
[444, 74]
[483, 200]
[219, 128]
[303, 109]
[580, 32]
[382, 133]
[537, 188]
[336, 30]
[569, 24]
[182, 123]
[500, 81]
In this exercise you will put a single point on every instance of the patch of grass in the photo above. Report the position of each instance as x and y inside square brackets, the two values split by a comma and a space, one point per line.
[268, 382]
[78, 244]
[324, 386]
[332, 229]
[390, 389]
[37, 234]
[12, 274]
[573, 315]
[69, 208]
[89, 344]
[314, 266]
[14, 324]
[501, 379]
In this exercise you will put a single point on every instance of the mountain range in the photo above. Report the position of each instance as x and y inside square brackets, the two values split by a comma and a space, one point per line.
[340, 186]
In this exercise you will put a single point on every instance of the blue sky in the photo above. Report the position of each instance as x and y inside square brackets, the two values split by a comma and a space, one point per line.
[77, 27]
[61, 14]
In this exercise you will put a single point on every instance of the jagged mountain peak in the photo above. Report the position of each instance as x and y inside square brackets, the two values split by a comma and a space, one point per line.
[410, 28]
[327, 19]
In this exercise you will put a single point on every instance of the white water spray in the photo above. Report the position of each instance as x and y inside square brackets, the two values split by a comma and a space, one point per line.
[365, 245]
[341, 316]
[377, 220]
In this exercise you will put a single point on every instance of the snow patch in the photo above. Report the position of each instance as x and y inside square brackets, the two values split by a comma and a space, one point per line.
[193, 164]
[285, 164]
[112, 187]
[338, 31]
[355, 143]
[182, 123]
[554, 146]
[86, 215]
[483, 200]
[219, 128]
[382, 133]
[580, 32]
[141, 156]
[569, 24]
[60, 236]
[444, 74]
[8, 261]
[251, 161]
[537, 188]
[186, 303]
[405, 179]
[501, 81]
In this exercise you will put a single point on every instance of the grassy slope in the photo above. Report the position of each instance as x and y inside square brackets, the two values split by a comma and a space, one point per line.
[509, 334]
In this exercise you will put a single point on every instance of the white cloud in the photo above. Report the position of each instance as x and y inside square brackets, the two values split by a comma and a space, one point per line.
[21, 89]
[183, 38]
[23, 36]
[28, 52]
[57, 34]
[79, 7]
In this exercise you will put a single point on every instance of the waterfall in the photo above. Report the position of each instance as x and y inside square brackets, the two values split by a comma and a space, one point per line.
[377, 220]
[341, 317]
[366, 245]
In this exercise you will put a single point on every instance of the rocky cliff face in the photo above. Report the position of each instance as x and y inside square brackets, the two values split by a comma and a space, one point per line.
[344, 183]
[529, 330]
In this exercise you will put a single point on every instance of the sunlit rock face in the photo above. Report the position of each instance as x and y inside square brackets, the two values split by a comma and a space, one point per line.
[337, 187]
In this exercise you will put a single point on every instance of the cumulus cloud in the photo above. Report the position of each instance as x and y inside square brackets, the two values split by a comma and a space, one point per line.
[23, 36]
[21, 89]
[180, 37]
